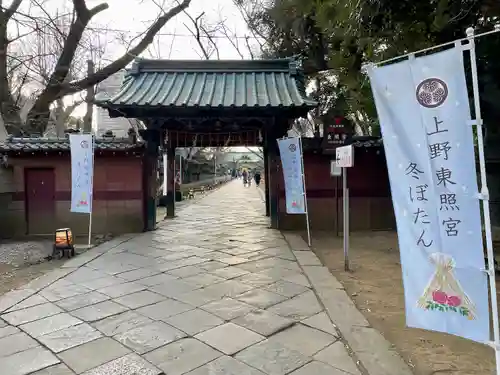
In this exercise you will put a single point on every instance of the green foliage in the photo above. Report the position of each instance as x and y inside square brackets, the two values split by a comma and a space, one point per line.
[339, 36]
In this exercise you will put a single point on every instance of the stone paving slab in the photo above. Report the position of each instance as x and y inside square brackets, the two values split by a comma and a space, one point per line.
[229, 338]
[182, 356]
[28, 361]
[92, 354]
[225, 366]
[212, 292]
[194, 321]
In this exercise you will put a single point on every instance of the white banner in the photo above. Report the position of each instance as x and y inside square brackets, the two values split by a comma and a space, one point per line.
[82, 172]
[291, 161]
[423, 108]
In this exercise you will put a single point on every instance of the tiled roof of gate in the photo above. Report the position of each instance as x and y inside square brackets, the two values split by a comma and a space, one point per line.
[209, 84]
[62, 144]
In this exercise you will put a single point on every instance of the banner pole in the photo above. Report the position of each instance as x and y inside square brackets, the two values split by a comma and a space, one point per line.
[305, 194]
[345, 196]
[485, 198]
[91, 193]
[496, 30]
[180, 170]
[165, 172]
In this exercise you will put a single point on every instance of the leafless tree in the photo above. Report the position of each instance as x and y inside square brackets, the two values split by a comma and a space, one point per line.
[246, 7]
[40, 51]
[60, 83]
[204, 34]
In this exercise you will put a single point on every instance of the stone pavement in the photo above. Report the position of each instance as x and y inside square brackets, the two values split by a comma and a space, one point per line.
[212, 292]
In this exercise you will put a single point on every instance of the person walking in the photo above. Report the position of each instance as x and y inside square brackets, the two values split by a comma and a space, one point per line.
[256, 176]
[245, 177]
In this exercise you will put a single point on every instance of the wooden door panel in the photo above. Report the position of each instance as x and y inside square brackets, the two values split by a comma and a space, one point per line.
[40, 200]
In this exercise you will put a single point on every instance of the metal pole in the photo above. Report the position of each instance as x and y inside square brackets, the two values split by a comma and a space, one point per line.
[345, 196]
[215, 168]
[180, 170]
[165, 173]
[91, 195]
[336, 206]
[305, 194]
[485, 199]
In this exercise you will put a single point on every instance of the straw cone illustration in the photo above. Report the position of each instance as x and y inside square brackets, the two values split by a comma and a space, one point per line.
[444, 292]
[83, 200]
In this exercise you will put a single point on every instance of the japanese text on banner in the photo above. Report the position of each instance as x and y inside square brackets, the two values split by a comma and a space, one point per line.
[82, 170]
[291, 161]
[423, 110]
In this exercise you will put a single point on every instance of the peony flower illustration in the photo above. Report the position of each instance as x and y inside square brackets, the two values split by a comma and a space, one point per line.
[454, 301]
[439, 296]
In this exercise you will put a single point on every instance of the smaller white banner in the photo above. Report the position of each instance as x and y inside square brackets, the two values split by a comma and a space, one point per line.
[82, 172]
[291, 161]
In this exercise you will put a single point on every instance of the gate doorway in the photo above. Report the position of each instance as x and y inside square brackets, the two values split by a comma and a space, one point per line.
[39, 188]
[209, 103]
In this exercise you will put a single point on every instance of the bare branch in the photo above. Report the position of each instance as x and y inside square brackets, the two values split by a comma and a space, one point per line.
[210, 38]
[231, 38]
[197, 32]
[123, 61]
[247, 42]
[255, 153]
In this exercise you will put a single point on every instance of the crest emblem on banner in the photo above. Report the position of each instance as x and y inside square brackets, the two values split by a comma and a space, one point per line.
[292, 148]
[432, 92]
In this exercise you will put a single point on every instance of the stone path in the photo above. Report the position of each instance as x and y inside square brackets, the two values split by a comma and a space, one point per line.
[212, 292]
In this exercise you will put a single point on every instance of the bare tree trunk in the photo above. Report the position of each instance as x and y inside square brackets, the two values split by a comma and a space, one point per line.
[87, 119]
[8, 108]
[40, 112]
[57, 86]
[63, 114]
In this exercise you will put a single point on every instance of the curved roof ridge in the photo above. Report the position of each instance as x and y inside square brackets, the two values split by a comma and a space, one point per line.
[288, 65]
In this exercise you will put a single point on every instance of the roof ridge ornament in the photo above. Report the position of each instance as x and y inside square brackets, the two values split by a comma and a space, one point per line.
[135, 68]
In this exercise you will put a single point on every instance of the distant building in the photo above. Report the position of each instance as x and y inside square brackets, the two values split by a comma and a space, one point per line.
[103, 123]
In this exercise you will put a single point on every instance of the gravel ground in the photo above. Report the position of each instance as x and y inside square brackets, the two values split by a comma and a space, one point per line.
[19, 254]
[22, 261]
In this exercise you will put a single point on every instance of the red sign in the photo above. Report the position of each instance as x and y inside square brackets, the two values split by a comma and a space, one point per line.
[334, 134]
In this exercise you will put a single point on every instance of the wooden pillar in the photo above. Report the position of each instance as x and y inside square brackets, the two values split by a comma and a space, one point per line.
[150, 170]
[272, 177]
[266, 177]
[170, 199]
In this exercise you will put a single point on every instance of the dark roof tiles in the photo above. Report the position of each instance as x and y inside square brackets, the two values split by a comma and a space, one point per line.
[60, 144]
[209, 84]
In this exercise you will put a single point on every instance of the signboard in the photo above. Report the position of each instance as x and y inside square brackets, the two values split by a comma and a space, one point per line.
[345, 156]
[82, 171]
[291, 161]
[335, 170]
[424, 113]
[334, 133]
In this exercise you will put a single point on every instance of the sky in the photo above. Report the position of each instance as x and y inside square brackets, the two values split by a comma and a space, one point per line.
[175, 40]
[127, 19]
[114, 29]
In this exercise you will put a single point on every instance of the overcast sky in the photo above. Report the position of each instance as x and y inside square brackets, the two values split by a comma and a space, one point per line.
[174, 41]
[126, 19]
